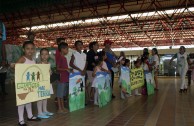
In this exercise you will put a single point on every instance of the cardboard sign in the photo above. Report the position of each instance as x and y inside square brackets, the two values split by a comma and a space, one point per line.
[76, 91]
[125, 79]
[137, 78]
[32, 82]
[149, 83]
[102, 83]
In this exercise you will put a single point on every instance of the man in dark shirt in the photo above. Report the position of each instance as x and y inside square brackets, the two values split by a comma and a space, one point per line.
[92, 57]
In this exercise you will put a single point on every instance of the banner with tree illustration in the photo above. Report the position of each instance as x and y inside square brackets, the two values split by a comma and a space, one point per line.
[102, 83]
[32, 82]
[108, 89]
[136, 78]
[125, 79]
[76, 91]
[149, 83]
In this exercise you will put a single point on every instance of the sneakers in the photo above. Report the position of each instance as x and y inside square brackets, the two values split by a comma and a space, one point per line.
[43, 116]
[48, 113]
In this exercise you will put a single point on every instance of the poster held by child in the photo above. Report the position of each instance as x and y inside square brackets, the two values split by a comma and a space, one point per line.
[125, 78]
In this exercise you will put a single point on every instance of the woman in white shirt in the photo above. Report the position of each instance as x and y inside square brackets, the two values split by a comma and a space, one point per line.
[155, 65]
[182, 65]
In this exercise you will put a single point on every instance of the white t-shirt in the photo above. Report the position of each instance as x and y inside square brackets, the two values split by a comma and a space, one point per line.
[104, 65]
[182, 60]
[80, 60]
[145, 67]
[156, 59]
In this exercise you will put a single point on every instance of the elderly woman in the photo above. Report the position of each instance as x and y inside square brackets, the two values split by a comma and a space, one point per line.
[182, 65]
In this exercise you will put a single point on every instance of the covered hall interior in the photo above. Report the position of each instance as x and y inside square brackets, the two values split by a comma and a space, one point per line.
[131, 25]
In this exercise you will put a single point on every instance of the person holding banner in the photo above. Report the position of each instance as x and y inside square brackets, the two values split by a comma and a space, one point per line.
[98, 68]
[137, 64]
[63, 69]
[42, 104]
[145, 67]
[120, 64]
[29, 50]
[125, 78]
[78, 60]
[102, 55]
[103, 68]
[182, 63]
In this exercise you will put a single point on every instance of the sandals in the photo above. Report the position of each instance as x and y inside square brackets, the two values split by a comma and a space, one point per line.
[24, 124]
[35, 119]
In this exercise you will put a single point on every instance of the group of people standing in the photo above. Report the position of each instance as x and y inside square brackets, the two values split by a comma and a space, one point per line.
[88, 65]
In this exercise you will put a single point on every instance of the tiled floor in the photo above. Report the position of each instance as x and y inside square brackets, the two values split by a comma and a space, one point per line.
[165, 108]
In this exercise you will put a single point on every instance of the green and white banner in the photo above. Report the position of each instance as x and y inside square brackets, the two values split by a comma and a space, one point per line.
[76, 91]
[102, 83]
[149, 83]
[125, 79]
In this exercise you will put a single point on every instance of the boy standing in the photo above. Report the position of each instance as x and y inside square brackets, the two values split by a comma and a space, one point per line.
[62, 68]
[78, 59]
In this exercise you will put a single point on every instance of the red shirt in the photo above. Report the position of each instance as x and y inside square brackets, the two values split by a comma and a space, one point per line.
[62, 64]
